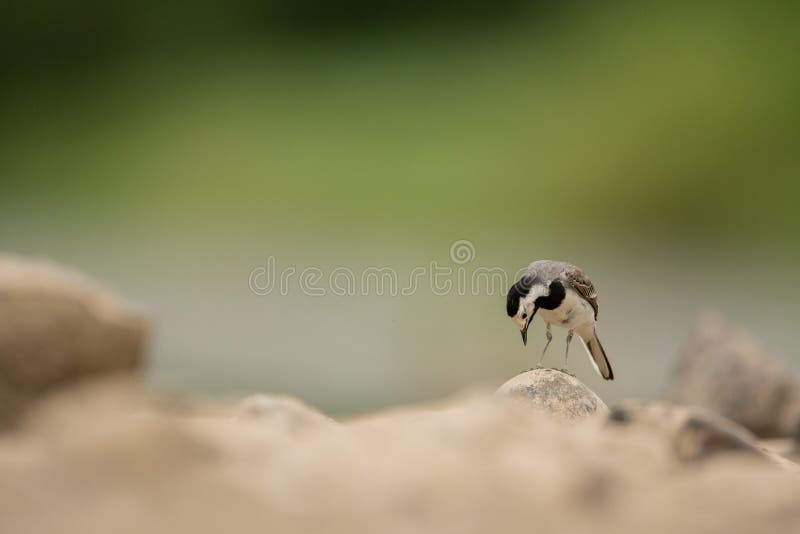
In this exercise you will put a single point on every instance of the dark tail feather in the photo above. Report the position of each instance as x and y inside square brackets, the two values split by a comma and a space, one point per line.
[598, 355]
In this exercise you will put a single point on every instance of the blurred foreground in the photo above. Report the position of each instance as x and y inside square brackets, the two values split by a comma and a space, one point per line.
[110, 459]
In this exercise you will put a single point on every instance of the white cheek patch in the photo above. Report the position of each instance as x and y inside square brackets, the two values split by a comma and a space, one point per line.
[526, 303]
[538, 291]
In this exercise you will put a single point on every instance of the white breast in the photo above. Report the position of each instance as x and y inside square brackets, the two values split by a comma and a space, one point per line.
[574, 311]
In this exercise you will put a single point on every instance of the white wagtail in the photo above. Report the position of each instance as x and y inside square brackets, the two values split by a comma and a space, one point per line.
[566, 298]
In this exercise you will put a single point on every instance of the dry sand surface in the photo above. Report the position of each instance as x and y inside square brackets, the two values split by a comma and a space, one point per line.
[107, 458]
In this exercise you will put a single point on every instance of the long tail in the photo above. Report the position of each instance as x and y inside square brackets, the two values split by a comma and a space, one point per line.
[596, 353]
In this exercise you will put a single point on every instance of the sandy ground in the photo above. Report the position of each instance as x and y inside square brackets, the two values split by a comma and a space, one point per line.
[110, 458]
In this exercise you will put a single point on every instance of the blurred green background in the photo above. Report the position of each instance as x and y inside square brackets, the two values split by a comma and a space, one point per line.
[170, 150]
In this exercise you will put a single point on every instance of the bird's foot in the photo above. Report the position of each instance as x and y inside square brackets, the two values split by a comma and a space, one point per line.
[536, 368]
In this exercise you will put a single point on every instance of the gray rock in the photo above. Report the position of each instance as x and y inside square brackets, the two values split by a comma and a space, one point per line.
[58, 327]
[728, 371]
[694, 433]
[554, 392]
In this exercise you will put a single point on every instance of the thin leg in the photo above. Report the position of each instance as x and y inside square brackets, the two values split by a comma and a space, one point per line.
[566, 354]
[549, 336]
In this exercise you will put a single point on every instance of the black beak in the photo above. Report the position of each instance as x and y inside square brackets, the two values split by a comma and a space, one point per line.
[524, 331]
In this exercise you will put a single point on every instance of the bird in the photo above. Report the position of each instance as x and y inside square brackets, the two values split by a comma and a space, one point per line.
[564, 296]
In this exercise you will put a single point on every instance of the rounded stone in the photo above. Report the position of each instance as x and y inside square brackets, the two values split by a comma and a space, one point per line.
[59, 327]
[554, 392]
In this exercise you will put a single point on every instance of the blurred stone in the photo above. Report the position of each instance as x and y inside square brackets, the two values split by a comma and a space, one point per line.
[694, 433]
[285, 413]
[58, 327]
[785, 447]
[726, 370]
[554, 392]
[105, 457]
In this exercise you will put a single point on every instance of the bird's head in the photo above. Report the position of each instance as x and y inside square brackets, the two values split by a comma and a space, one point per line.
[521, 306]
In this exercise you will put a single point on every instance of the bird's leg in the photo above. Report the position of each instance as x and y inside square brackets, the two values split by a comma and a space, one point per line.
[549, 336]
[566, 354]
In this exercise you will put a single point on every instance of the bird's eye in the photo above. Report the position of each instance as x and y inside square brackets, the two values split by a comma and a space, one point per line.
[524, 315]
